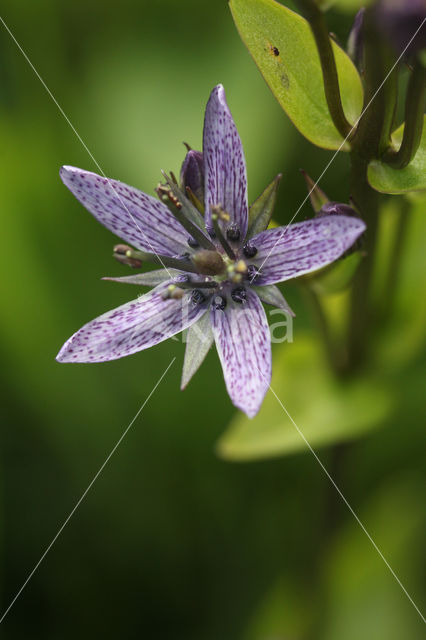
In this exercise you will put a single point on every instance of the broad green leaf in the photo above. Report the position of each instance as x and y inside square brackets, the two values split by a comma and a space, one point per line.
[325, 410]
[260, 212]
[385, 179]
[284, 49]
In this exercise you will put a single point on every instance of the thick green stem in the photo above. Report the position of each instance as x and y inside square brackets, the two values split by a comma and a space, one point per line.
[367, 202]
[372, 136]
[318, 26]
[415, 103]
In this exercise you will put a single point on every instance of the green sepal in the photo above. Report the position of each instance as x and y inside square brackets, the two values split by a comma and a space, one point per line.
[199, 339]
[148, 278]
[283, 47]
[260, 212]
[386, 179]
[316, 195]
[270, 294]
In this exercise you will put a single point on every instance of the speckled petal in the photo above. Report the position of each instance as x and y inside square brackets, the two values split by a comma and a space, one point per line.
[134, 326]
[243, 342]
[289, 252]
[224, 162]
[139, 219]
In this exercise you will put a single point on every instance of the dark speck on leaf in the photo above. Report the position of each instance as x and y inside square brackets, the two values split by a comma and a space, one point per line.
[275, 51]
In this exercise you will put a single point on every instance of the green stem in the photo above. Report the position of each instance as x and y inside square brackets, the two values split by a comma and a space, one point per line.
[318, 26]
[414, 115]
[367, 202]
[372, 136]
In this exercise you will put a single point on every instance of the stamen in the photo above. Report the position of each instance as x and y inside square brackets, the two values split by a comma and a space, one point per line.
[192, 243]
[220, 236]
[219, 303]
[253, 273]
[120, 254]
[199, 284]
[197, 297]
[239, 294]
[129, 256]
[172, 292]
[249, 250]
[195, 201]
[167, 195]
[233, 232]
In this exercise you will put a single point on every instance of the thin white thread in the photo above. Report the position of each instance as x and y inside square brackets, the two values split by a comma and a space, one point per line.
[111, 186]
[78, 503]
[340, 147]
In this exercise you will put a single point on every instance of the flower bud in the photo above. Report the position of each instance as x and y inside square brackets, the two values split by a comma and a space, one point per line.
[337, 208]
[399, 20]
[355, 45]
[192, 173]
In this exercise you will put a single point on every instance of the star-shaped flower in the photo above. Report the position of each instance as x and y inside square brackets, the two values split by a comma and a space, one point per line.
[218, 261]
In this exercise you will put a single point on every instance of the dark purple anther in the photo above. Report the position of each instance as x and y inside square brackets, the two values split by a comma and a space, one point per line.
[253, 273]
[249, 250]
[219, 303]
[233, 232]
[239, 294]
[197, 297]
[192, 173]
[193, 243]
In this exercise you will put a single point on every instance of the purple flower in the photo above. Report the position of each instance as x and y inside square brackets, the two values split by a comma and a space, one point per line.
[399, 20]
[215, 271]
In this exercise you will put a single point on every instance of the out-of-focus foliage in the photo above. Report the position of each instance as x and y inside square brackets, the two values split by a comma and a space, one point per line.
[283, 48]
[171, 542]
[412, 178]
[325, 411]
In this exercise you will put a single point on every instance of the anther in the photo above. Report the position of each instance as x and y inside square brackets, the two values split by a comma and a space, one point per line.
[239, 294]
[197, 297]
[253, 273]
[249, 250]
[219, 303]
[192, 243]
[233, 232]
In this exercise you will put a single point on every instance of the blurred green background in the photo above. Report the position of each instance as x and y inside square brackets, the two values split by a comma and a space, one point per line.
[173, 542]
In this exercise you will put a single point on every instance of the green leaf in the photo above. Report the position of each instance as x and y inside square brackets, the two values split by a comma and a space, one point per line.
[281, 44]
[385, 179]
[260, 212]
[325, 410]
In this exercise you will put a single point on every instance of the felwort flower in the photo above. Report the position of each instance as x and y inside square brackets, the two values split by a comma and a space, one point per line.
[218, 261]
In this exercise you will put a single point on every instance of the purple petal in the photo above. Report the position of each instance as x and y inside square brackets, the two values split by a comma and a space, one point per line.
[244, 346]
[137, 218]
[289, 252]
[192, 173]
[134, 326]
[224, 162]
